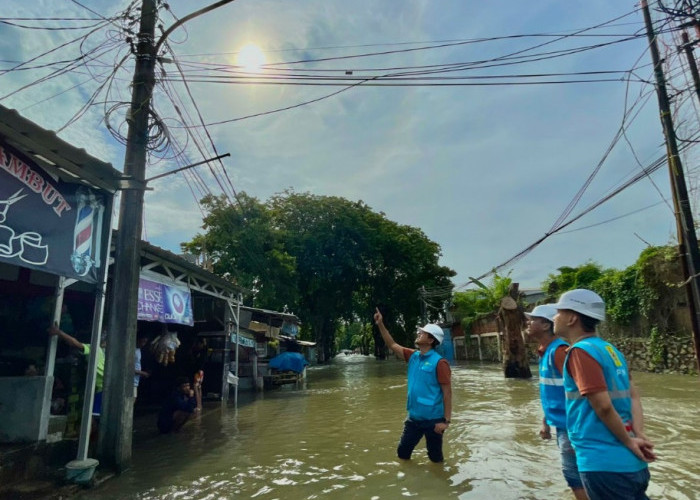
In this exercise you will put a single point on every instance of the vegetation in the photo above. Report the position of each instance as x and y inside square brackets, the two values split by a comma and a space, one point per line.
[472, 305]
[356, 336]
[329, 260]
[641, 298]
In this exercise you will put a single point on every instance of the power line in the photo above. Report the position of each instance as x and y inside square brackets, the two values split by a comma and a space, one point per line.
[612, 219]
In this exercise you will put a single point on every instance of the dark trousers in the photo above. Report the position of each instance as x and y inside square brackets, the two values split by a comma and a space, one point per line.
[618, 485]
[413, 430]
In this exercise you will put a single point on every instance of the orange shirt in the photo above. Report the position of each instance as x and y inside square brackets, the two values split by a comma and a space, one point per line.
[443, 368]
[559, 356]
[586, 372]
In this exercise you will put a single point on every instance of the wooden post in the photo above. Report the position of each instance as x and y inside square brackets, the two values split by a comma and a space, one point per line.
[515, 359]
[53, 339]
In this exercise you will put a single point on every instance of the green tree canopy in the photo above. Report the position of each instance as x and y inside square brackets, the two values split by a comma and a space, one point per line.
[327, 259]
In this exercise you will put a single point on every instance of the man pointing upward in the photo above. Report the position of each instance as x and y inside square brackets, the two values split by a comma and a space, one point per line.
[429, 402]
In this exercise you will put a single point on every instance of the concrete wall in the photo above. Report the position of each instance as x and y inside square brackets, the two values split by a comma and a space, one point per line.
[484, 347]
[678, 355]
[24, 408]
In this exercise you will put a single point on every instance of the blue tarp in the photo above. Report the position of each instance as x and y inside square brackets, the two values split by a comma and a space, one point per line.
[285, 361]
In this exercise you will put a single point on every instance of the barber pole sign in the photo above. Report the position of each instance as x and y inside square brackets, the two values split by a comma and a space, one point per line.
[48, 224]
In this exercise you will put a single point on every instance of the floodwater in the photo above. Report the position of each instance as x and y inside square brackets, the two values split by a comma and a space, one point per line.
[335, 438]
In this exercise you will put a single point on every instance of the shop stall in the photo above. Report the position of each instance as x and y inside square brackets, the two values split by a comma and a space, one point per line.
[55, 208]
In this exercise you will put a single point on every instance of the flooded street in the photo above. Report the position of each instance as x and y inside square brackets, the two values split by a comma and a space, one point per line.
[336, 438]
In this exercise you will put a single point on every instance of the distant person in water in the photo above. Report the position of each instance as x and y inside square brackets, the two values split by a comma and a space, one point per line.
[429, 390]
[178, 408]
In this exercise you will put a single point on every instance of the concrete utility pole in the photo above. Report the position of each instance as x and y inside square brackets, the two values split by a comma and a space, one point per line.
[684, 217]
[115, 429]
[114, 445]
[688, 49]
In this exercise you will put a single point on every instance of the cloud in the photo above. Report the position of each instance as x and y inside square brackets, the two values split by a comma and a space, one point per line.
[483, 171]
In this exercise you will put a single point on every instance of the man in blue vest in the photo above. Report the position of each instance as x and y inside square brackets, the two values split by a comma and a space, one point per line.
[429, 401]
[552, 351]
[603, 410]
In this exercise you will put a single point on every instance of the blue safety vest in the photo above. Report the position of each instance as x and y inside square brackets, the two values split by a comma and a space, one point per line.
[552, 387]
[597, 449]
[424, 392]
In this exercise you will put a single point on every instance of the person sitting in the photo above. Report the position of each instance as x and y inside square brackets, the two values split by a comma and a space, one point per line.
[177, 408]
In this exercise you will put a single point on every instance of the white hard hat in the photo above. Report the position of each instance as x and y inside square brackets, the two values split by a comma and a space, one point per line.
[583, 301]
[435, 331]
[546, 311]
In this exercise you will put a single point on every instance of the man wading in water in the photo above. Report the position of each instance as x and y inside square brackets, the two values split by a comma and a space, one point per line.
[429, 390]
[552, 352]
[603, 410]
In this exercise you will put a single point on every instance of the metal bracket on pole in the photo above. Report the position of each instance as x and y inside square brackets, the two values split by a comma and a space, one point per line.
[186, 167]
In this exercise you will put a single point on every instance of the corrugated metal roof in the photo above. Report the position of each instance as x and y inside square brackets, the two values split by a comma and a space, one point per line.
[56, 155]
[275, 314]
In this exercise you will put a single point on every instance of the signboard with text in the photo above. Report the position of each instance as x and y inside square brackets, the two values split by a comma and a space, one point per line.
[165, 303]
[50, 225]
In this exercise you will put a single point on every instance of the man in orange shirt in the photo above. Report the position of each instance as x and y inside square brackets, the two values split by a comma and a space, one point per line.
[603, 409]
[552, 352]
[429, 400]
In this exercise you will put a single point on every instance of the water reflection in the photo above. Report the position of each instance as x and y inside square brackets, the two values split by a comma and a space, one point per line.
[336, 438]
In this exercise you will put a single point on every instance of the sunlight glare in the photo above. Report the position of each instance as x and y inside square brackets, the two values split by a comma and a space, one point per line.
[251, 57]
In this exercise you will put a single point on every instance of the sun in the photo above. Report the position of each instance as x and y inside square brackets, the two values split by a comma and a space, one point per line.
[251, 58]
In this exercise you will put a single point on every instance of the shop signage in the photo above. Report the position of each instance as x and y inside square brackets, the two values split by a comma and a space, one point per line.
[243, 341]
[48, 224]
[166, 303]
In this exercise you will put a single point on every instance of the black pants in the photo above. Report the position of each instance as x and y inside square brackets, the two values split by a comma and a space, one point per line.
[413, 430]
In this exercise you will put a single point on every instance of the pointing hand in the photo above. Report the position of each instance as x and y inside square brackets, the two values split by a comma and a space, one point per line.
[377, 316]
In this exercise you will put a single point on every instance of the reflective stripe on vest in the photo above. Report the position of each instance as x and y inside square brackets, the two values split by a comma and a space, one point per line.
[552, 381]
[613, 395]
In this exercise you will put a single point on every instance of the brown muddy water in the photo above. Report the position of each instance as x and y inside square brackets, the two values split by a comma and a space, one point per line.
[335, 438]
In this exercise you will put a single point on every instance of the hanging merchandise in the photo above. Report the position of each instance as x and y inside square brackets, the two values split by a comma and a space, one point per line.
[164, 347]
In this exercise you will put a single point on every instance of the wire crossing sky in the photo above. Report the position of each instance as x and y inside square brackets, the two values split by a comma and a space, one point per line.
[492, 130]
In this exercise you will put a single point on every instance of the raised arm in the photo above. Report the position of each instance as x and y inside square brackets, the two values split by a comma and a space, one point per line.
[388, 340]
[54, 330]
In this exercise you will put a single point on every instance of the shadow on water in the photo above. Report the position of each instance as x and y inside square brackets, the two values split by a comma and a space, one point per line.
[335, 437]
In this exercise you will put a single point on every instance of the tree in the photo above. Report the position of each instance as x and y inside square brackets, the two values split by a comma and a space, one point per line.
[484, 301]
[570, 278]
[241, 244]
[328, 259]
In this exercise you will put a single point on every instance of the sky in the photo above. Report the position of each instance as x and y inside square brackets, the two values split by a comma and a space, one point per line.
[483, 170]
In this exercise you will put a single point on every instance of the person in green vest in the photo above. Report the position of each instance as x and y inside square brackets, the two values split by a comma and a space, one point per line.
[84, 349]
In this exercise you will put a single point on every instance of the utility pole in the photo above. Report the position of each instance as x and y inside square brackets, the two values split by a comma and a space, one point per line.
[115, 429]
[114, 444]
[688, 49]
[684, 218]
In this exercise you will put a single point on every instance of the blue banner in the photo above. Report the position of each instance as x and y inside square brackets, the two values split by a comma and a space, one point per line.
[48, 224]
[243, 341]
[164, 303]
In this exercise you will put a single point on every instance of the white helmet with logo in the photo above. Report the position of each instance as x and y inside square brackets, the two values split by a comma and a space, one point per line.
[435, 331]
[546, 311]
[583, 301]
